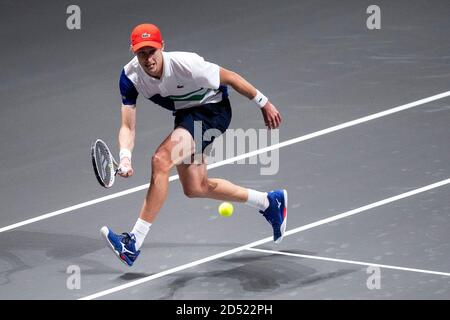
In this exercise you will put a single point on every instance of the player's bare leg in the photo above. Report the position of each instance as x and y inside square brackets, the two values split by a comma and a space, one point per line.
[163, 160]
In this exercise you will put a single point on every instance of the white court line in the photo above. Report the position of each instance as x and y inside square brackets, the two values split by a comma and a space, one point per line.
[351, 262]
[265, 240]
[237, 158]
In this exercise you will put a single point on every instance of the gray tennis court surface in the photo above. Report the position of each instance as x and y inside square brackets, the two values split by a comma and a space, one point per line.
[320, 65]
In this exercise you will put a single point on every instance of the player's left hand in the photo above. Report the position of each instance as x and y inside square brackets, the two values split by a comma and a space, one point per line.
[272, 117]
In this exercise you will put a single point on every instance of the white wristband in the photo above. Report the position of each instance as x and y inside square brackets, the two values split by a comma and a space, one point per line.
[125, 153]
[260, 99]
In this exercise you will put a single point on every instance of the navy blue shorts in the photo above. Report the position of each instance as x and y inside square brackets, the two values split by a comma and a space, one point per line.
[212, 116]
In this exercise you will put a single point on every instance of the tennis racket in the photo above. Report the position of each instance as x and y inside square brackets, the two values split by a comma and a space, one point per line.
[105, 166]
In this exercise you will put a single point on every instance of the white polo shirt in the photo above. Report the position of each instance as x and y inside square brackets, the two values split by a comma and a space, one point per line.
[187, 81]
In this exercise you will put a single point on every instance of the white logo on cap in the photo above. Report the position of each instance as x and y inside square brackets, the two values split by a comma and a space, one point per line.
[145, 35]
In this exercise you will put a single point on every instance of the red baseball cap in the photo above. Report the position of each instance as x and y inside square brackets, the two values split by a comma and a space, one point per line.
[145, 35]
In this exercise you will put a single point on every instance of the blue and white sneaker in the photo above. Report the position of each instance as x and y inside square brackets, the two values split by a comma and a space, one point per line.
[124, 245]
[276, 213]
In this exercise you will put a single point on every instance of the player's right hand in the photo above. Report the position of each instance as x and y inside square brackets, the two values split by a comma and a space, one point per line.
[126, 170]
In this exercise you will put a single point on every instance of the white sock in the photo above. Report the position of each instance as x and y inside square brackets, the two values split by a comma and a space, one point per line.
[257, 199]
[140, 230]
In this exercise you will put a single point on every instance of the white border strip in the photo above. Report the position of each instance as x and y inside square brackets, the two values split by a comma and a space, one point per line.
[265, 240]
[351, 262]
[234, 159]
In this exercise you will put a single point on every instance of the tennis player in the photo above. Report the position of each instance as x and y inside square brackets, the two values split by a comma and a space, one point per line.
[194, 90]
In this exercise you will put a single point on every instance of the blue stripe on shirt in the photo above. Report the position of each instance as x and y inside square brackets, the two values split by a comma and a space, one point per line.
[127, 90]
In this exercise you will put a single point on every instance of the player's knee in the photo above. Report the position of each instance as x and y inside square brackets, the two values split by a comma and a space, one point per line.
[160, 162]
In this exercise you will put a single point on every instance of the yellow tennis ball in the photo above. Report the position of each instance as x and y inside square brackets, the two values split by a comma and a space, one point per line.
[225, 209]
